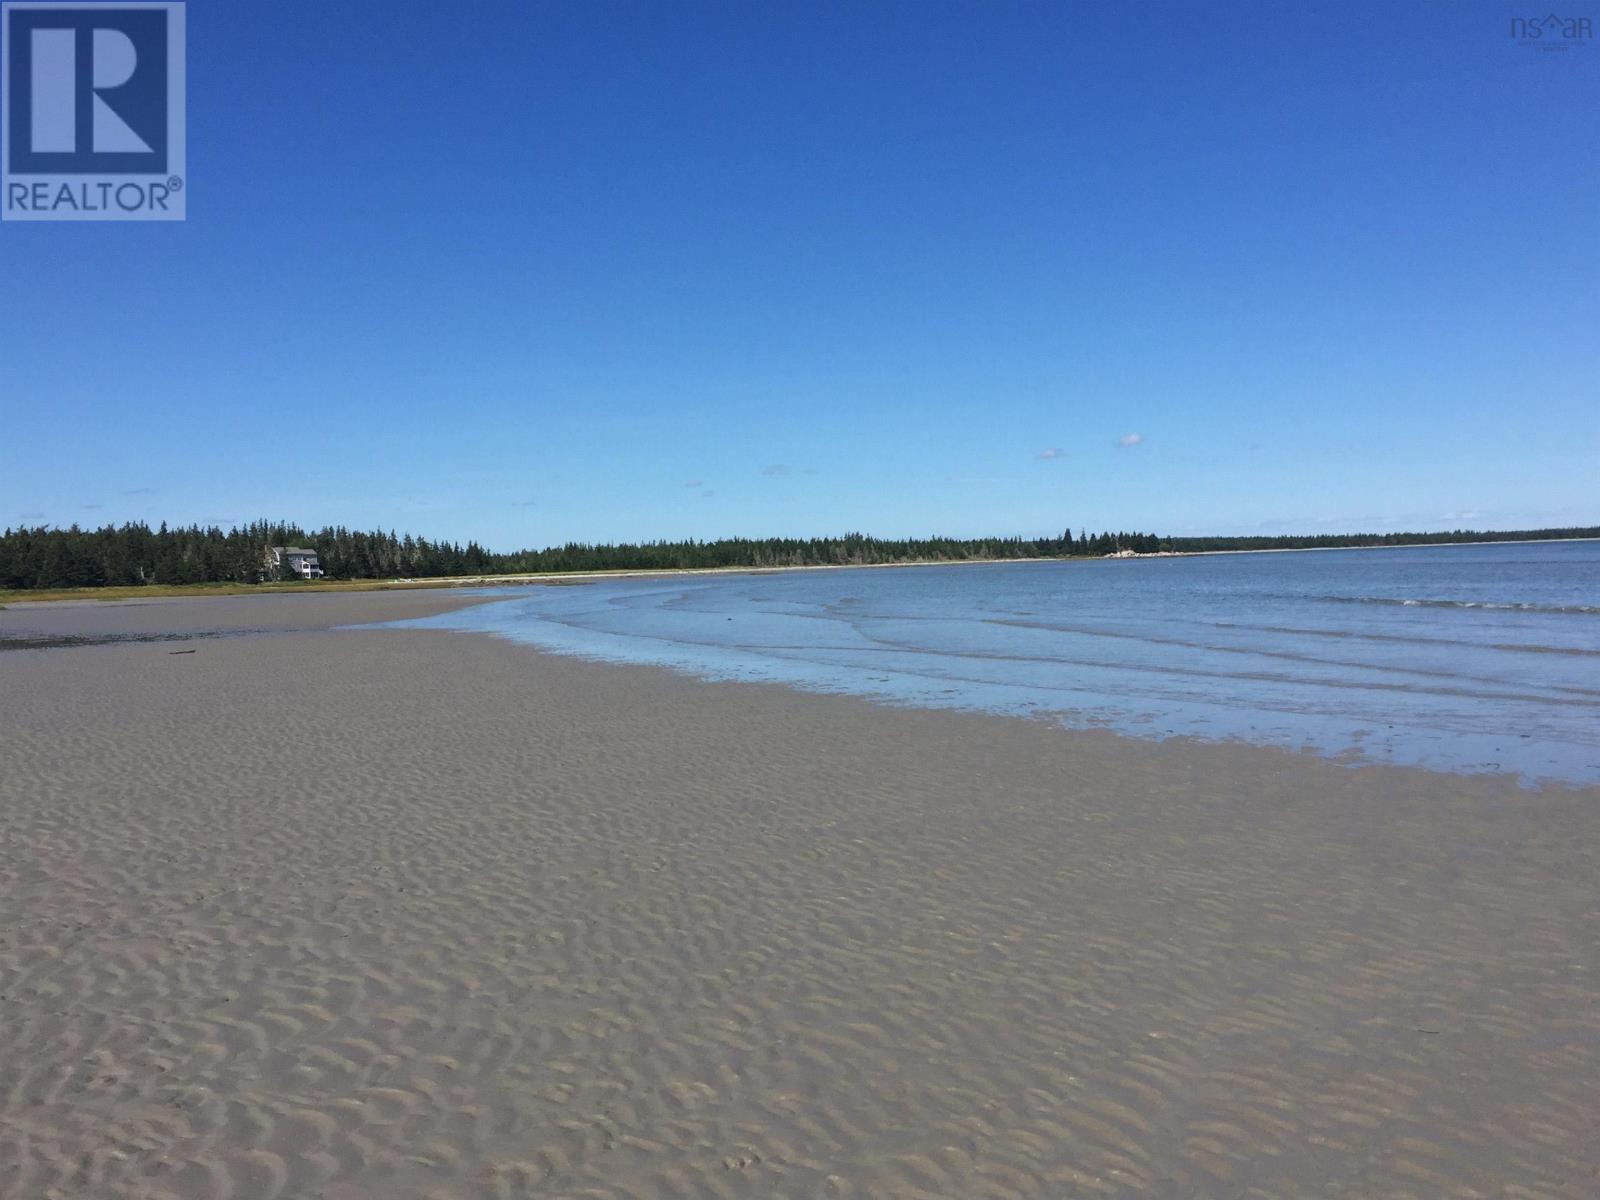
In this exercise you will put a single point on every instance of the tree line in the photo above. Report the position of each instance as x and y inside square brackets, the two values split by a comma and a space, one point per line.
[133, 554]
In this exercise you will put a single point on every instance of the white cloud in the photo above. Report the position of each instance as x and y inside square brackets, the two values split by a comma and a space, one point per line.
[1130, 439]
[1052, 452]
[776, 469]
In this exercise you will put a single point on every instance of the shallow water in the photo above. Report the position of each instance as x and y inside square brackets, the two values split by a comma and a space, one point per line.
[1464, 658]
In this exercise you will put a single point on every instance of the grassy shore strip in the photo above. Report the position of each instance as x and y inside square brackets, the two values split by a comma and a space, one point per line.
[191, 591]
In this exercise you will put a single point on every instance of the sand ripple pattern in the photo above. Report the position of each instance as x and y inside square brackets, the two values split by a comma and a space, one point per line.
[424, 915]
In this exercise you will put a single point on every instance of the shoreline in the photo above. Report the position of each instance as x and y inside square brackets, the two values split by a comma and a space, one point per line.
[56, 626]
[438, 583]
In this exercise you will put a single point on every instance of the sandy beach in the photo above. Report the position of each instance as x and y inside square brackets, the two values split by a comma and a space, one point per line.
[292, 911]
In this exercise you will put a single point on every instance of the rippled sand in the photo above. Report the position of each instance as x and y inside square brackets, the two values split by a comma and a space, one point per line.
[406, 914]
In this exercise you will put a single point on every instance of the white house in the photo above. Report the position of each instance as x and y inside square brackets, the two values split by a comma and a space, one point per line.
[294, 560]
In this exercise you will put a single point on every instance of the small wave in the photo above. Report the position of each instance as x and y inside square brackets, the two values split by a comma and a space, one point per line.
[1589, 610]
[1408, 639]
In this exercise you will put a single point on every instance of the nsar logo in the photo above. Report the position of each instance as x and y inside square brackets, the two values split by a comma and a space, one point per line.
[1552, 31]
[92, 112]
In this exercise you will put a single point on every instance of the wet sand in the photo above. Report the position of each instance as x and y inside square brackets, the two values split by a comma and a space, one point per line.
[315, 913]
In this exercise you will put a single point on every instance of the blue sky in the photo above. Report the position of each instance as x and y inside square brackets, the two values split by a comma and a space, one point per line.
[531, 272]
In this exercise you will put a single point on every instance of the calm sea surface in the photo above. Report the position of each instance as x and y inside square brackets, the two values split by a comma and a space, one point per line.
[1462, 658]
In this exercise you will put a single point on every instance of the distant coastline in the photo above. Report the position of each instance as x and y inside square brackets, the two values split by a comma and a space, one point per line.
[1505, 541]
[134, 561]
[586, 576]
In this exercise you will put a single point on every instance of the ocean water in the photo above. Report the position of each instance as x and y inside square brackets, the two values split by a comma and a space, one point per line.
[1456, 658]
